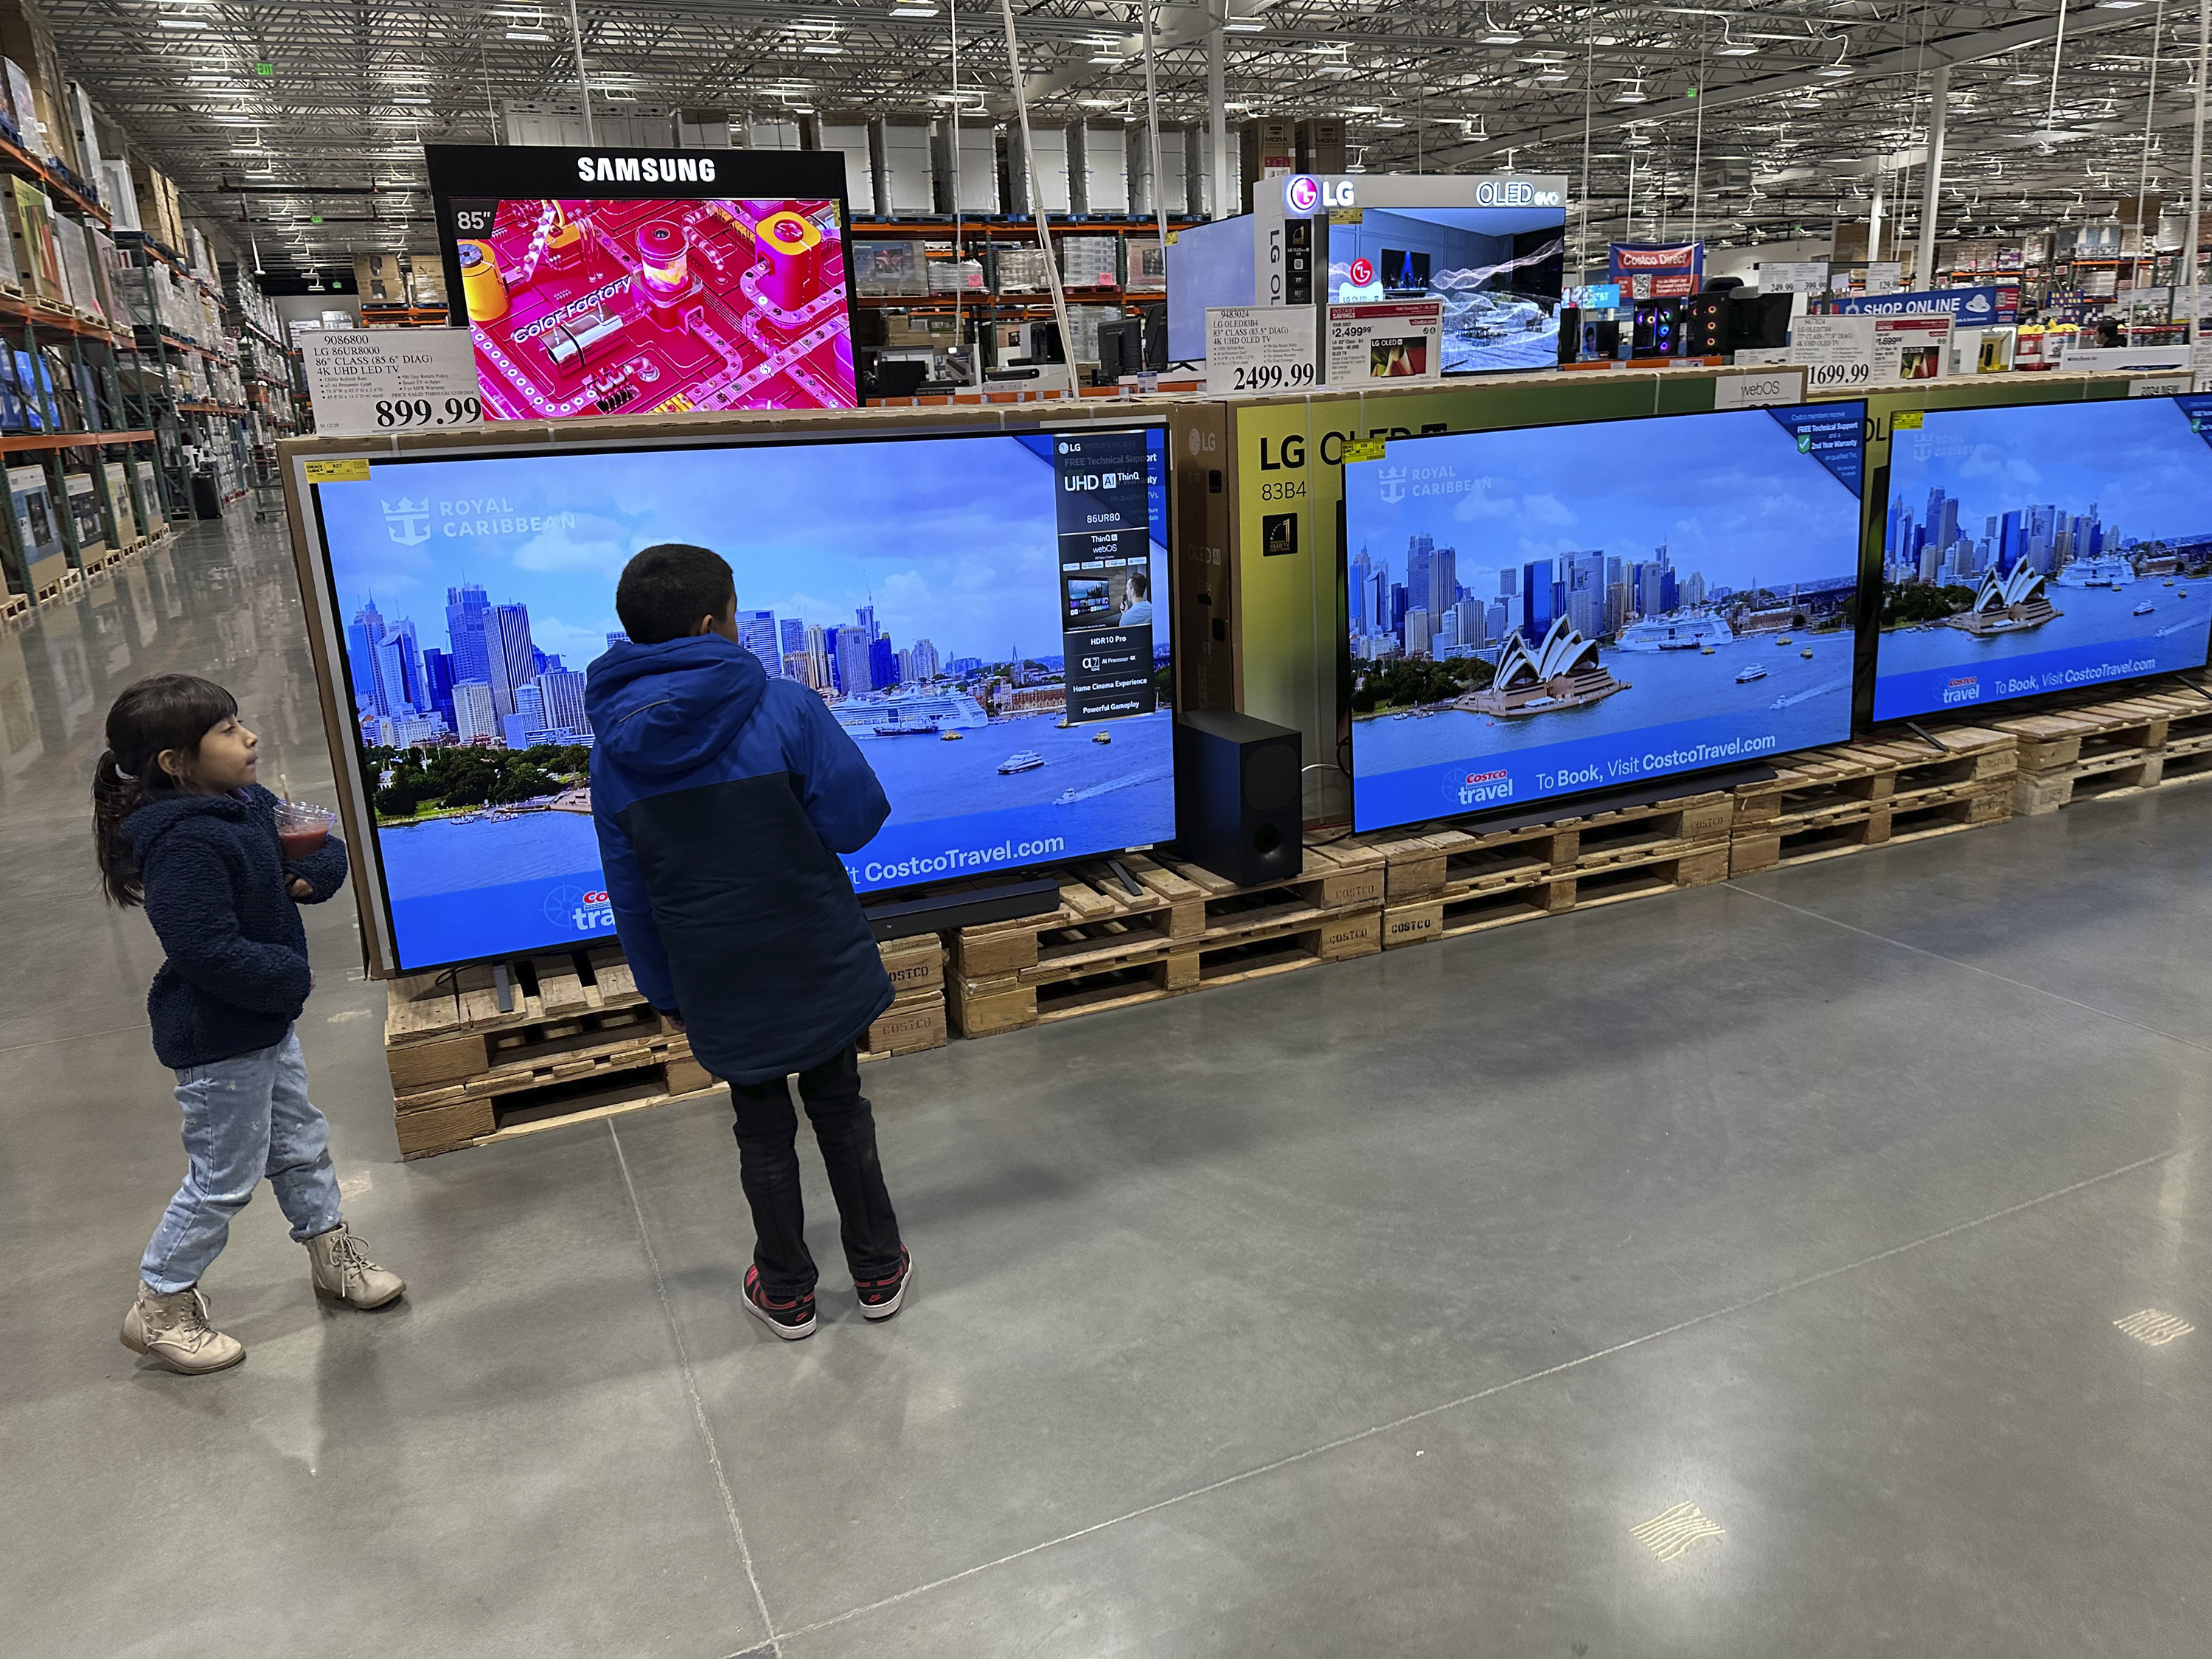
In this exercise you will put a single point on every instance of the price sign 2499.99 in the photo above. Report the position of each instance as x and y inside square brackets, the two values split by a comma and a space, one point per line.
[398, 412]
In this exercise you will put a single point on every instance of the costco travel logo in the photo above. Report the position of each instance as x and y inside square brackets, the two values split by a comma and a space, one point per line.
[1466, 789]
[586, 912]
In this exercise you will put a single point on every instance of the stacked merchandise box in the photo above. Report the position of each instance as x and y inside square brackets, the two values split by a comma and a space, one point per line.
[30, 229]
[80, 278]
[38, 530]
[116, 476]
[91, 523]
[890, 269]
[426, 285]
[149, 492]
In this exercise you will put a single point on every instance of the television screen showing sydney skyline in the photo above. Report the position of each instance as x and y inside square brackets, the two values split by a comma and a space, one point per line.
[1556, 610]
[2037, 549]
[934, 592]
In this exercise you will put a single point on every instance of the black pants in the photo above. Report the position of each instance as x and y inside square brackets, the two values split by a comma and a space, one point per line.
[768, 1164]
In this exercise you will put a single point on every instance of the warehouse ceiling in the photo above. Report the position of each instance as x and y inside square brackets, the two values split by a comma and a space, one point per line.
[1744, 122]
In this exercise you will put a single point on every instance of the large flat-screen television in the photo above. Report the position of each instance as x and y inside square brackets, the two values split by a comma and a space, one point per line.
[2042, 548]
[1552, 610]
[602, 281]
[1497, 270]
[986, 613]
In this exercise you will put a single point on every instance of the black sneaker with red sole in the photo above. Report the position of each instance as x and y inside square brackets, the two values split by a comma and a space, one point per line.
[789, 1320]
[882, 1297]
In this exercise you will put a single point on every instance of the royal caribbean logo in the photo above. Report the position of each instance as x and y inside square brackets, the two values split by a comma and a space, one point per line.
[408, 522]
[1391, 481]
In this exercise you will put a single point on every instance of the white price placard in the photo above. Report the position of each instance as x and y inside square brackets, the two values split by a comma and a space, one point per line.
[1386, 343]
[2200, 364]
[1911, 349]
[1259, 349]
[391, 380]
[1784, 277]
[1884, 276]
[1836, 352]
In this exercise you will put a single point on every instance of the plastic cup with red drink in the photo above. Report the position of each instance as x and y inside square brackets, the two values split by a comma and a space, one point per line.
[301, 829]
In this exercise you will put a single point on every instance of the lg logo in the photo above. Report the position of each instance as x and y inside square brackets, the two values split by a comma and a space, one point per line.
[1303, 193]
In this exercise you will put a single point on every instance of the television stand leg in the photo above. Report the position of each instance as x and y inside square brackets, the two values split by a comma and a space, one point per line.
[502, 987]
[1917, 731]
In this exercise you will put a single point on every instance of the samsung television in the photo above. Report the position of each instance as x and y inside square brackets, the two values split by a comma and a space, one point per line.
[2043, 548]
[986, 613]
[596, 282]
[1552, 611]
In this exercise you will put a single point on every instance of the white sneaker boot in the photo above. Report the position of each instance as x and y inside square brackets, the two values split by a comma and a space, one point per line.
[344, 1273]
[174, 1329]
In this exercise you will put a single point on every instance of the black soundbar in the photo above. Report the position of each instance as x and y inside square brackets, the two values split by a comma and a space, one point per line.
[1004, 901]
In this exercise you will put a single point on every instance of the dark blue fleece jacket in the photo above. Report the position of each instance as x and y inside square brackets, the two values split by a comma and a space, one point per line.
[236, 976]
[723, 800]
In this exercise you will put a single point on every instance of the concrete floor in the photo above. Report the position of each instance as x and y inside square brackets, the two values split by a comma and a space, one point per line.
[1361, 1310]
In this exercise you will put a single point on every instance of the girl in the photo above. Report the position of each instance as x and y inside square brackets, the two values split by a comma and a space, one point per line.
[184, 829]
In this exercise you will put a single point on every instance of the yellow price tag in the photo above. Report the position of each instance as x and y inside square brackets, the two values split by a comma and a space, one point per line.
[354, 470]
[1363, 449]
[1907, 420]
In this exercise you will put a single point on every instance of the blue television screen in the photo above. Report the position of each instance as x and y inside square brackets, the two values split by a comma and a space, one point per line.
[1556, 609]
[2044, 548]
[986, 614]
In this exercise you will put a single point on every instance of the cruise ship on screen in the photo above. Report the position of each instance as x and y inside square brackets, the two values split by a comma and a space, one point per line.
[1676, 632]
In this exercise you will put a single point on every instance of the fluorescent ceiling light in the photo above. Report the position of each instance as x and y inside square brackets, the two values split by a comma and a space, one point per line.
[1629, 97]
[1339, 69]
[914, 10]
[1245, 26]
[528, 35]
[1363, 109]
[405, 99]
[1735, 51]
[180, 23]
[1390, 121]
[1553, 75]
[1501, 38]
[823, 49]
[1106, 57]
[1833, 72]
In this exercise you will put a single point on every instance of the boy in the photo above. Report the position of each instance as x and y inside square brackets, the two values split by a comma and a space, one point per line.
[722, 799]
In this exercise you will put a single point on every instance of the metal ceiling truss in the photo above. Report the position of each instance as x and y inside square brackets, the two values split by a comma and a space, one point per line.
[1805, 107]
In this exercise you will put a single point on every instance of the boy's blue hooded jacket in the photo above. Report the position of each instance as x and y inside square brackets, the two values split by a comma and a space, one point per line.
[723, 800]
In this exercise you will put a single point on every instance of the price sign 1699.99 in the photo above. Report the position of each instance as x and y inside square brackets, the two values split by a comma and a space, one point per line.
[423, 411]
[1838, 377]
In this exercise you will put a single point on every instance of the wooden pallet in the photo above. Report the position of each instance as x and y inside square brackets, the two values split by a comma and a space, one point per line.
[1228, 953]
[577, 1042]
[1460, 910]
[1109, 947]
[1833, 802]
[15, 608]
[2103, 750]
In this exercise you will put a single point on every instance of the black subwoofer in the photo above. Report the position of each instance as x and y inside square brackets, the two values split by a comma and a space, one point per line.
[1238, 808]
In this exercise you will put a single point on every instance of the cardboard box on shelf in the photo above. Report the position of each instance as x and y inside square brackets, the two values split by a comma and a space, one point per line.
[31, 228]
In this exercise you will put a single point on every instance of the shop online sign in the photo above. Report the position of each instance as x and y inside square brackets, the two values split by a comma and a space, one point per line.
[1967, 307]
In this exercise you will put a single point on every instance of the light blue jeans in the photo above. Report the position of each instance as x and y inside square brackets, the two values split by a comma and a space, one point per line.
[245, 1117]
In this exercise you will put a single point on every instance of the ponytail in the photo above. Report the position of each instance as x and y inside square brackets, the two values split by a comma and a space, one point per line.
[162, 713]
[115, 796]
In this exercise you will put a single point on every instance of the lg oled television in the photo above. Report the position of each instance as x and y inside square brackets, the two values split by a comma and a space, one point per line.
[986, 614]
[602, 281]
[1552, 610]
[2043, 548]
[1497, 270]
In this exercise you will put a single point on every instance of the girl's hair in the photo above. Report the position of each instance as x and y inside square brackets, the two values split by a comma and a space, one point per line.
[163, 711]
